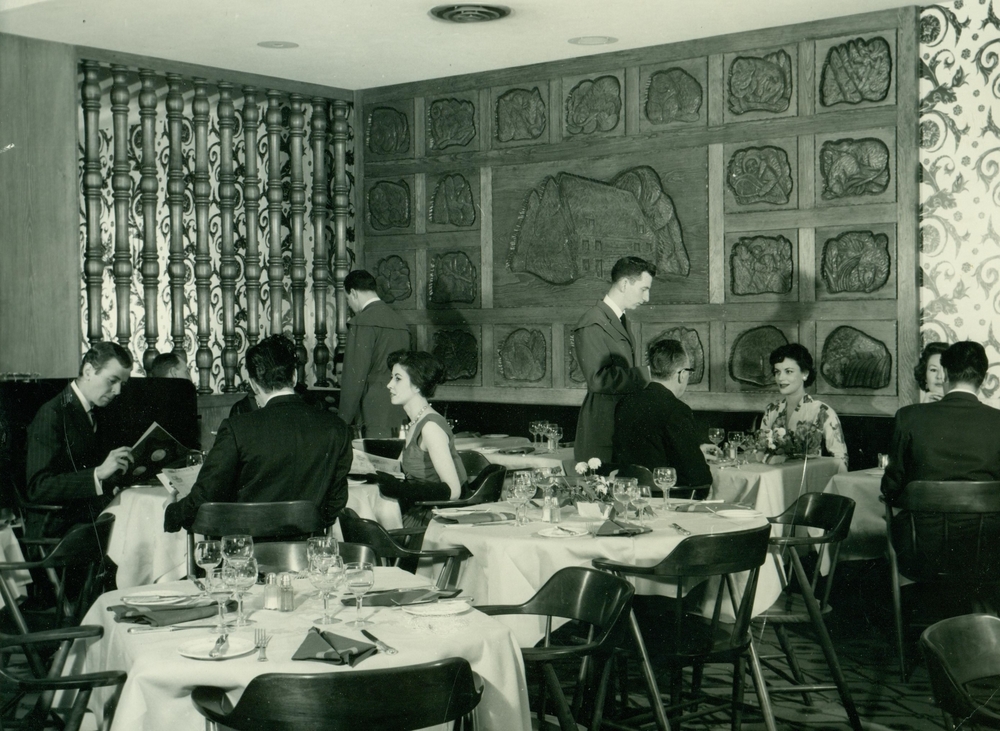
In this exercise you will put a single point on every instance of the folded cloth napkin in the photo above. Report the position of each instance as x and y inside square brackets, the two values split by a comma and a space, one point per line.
[328, 647]
[620, 528]
[472, 518]
[701, 507]
[401, 597]
[164, 617]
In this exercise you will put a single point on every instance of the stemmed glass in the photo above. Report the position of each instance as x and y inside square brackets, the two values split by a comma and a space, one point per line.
[544, 477]
[621, 491]
[524, 490]
[535, 429]
[554, 433]
[321, 547]
[237, 548]
[737, 439]
[327, 575]
[716, 435]
[641, 496]
[665, 478]
[240, 575]
[215, 583]
[208, 555]
[359, 578]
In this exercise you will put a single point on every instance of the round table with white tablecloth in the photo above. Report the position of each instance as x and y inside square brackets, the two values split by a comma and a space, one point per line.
[771, 488]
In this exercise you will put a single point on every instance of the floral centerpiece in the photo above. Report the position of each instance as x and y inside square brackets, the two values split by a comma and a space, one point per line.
[803, 441]
[595, 488]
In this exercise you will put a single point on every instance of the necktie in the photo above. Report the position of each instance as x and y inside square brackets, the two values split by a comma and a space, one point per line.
[90, 418]
[624, 324]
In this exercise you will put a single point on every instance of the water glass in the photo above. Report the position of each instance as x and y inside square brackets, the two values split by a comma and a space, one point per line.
[716, 435]
[620, 490]
[554, 434]
[327, 575]
[359, 578]
[237, 548]
[665, 478]
[524, 490]
[736, 440]
[208, 555]
[240, 576]
[641, 498]
[321, 547]
[217, 588]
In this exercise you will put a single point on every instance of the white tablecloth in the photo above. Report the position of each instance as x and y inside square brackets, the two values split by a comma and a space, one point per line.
[772, 488]
[10, 551]
[510, 563]
[156, 696]
[867, 536]
[368, 503]
[490, 448]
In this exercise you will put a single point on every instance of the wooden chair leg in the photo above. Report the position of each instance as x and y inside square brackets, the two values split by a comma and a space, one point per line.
[655, 701]
[602, 691]
[793, 662]
[758, 680]
[541, 703]
[566, 722]
[739, 672]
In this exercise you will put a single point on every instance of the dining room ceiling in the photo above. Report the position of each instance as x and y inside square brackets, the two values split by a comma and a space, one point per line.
[360, 44]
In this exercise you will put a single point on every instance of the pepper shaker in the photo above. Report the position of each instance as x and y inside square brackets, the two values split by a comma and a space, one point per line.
[287, 603]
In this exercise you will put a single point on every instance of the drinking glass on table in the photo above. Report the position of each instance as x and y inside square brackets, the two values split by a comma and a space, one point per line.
[208, 555]
[620, 490]
[217, 588]
[236, 548]
[327, 575]
[359, 578]
[716, 435]
[321, 547]
[555, 433]
[240, 575]
[641, 497]
[535, 429]
[665, 478]
[524, 490]
[736, 440]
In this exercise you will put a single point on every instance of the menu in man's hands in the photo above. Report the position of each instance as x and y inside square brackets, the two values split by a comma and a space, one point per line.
[154, 450]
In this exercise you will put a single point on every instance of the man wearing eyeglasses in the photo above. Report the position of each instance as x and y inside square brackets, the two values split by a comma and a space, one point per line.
[654, 428]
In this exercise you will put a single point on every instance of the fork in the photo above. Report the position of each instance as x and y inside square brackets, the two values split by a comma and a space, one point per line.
[261, 638]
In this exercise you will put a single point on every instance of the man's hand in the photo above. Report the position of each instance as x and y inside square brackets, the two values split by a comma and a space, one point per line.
[118, 460]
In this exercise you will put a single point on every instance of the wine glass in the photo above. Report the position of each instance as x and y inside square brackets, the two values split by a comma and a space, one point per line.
[555, 433]
[359, 578]
[535, 429]
[640, 498]
[240, 575]
[665, 478]
[716, 435]
[208, 555]
[237, 548]
[524, 490]
[737, 439]
[217, 588]
[321, 547]
[620, 490]
[544, 477]
[327, 575]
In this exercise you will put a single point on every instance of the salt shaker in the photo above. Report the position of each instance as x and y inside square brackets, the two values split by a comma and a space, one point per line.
[287, 596]
[272, 592]
[547, 505]
[555, 512]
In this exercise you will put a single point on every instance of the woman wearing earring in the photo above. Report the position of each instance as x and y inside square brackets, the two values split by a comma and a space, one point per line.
[793, 370]
[929, 374]
[432, 467]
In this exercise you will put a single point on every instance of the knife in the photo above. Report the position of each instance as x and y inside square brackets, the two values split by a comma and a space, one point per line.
[382, 647]
[220, 645]
[682, 531]
[172, 628]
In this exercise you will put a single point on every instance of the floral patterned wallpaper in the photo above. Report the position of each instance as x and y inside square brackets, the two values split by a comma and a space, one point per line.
[135, 219]
[960, 177]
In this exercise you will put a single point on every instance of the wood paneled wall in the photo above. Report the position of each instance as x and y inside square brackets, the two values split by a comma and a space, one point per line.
[466, 185]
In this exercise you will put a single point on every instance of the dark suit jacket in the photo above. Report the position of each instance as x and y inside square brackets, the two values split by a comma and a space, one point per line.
[372, 335]
[285, 451]
[609, 362]
[654, 428]
[63, 451]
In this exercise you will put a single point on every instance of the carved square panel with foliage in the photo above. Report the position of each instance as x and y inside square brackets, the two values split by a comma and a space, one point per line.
[452, 123]
[855, 72]
[748, 349]
[762, 266]
[453, 201]
[856, 168]
[761, 175]
[459, 348]
[395, 272]
[856, 262]
[521, 114]
[594, 105]
[573, 373]
[523, 356]
[694, 336]
[761, 84]
[453, 278]
[389, 206]
[388, 130]
[856, 358]
[673, 94]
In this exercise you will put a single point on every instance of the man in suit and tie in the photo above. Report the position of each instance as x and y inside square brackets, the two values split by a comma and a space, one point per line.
[606, 349]
[284, 450]
[66, 464]
[654, 428]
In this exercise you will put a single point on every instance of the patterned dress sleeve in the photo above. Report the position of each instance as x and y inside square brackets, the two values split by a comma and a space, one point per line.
[833, 435]
[771, 414]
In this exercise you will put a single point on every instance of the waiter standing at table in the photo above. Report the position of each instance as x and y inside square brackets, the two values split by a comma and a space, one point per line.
[375, 331]
[606, 348]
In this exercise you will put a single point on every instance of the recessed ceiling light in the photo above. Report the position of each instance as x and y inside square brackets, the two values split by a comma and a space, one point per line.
[278, 44]
[593, 40]
[470, 12]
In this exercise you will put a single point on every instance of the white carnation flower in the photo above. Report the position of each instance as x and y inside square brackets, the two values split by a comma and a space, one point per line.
[594, 463]
[581, 468]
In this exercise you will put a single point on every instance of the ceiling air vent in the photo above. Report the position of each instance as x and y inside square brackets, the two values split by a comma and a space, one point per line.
[470, 13]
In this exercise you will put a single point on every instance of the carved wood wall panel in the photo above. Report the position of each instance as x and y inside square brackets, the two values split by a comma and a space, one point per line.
[760, 172]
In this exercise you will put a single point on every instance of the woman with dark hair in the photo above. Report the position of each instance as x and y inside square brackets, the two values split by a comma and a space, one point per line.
[432, 467]
[929, 374]
[793, 370]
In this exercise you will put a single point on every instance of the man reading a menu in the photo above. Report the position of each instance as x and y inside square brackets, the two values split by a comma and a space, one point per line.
[283, 450]
[66, 464]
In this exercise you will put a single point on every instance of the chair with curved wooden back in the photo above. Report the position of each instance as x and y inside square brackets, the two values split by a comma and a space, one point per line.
[944, 533]
[400, 699]
[486, 488]
[963, 661]
[595, 598]
[278, 556]
[474, 463]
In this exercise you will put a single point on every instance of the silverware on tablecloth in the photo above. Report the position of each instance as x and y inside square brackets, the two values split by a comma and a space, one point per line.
[679, 529]
[261, 638]
[143, 629]
[382, 647]
[220, 645]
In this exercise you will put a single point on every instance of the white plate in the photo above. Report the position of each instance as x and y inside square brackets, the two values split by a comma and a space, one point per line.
[437, 609]
[462, 511]
[740, 514]
[157, 598]
[199, 649]
[495, 436]
[555, 532]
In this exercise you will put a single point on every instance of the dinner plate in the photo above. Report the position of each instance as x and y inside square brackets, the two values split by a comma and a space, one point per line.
[157, 598]
[462, 511]
[199, 649]
[557, 532]
[740, 514]
[517, 450]
[437, 609]
[495, 436]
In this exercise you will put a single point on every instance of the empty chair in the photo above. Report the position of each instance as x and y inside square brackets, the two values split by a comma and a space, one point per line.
[278, 556]
[947, 534]
[474, 462]
[393, 699]
[598, 599]
[486, 488]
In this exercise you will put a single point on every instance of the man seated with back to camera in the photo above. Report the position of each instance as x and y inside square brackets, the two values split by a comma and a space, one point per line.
[66, 463]
[654, 428]
[283, 450]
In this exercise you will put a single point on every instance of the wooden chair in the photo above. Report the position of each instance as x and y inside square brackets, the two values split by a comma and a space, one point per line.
[830, 514]
[279, 556]
[693, 640]
[597, 599]
[393, 699]
[359, 530]
[945, 534]
[963, 661]
[486, 488]
[474, 462]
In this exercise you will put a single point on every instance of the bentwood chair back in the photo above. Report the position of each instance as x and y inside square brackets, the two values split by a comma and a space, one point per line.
[942, 532]
[393, 699]
[279, 556]
[597, 599]
[474, 462]
[485, 488]
[963, 661]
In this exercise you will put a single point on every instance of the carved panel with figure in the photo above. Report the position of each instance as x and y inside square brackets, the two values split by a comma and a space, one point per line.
[853, 261]
[389, 205]
[395, 276]
[855, 72]
[856, 358]
[694, 336]
[453, 279]
[573, 373]
[594, 105]
[389, 130]
[761, 176]
[748, 349]
[452, 123]
[453, 200]
[520, 114]
[673, 94]
[458, 350]
[762, 267]
[856, 169]
[761, 84]
[522, 356]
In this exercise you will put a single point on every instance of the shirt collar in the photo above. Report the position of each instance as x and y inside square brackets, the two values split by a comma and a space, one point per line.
[962, 388]
[614, 307]
[280, 392]
[367, 302]
[84, 401]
